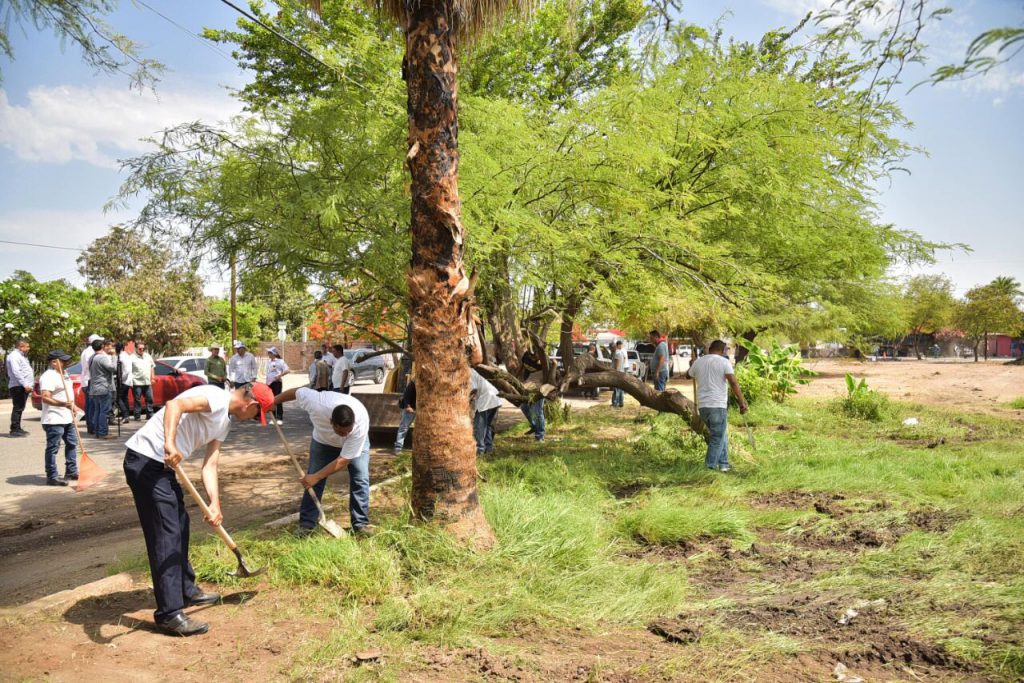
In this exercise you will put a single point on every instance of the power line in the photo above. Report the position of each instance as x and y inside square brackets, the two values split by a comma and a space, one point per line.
[198, 37]
[43, 246]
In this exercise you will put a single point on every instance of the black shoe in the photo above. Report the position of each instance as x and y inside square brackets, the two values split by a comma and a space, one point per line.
[71, 477]
[202, 598]
[56, 482]
[304, 531]
[18, 433]
[181, 625]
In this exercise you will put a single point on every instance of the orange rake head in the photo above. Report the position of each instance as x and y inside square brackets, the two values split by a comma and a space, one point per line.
[89, 472]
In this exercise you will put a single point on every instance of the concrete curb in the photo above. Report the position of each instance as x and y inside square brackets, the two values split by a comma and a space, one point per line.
[294, 517]
[111, 584]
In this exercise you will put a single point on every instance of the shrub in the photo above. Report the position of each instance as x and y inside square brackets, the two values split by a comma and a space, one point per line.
[755, 387]
[780, 367]
[864, 403]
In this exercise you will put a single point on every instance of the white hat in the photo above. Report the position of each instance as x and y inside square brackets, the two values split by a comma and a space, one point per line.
[239, 345]
[273, 350]
[95, 337]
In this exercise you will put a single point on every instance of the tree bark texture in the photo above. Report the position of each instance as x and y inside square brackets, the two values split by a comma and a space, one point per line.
[444, 476]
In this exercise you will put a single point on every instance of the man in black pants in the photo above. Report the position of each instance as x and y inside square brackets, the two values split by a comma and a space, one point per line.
[197, 417]
[19, 382]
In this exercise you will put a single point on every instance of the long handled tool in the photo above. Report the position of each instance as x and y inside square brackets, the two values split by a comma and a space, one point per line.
[750, 433]
[328, 525]
[89, 472]
[243, 569]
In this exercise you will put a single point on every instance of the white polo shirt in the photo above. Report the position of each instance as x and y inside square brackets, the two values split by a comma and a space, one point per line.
[320, 405]
[275, 369]
[195, 430]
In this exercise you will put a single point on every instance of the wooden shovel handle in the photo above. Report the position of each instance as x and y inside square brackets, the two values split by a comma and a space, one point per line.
[298, 467]
[187, 483]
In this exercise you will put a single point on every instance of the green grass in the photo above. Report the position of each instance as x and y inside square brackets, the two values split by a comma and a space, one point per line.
[574, 516]
[1017, 403]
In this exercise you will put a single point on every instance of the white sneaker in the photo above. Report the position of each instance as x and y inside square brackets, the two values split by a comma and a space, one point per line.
[725, 468]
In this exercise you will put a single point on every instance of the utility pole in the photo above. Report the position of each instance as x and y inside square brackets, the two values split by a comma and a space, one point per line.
[234, 286]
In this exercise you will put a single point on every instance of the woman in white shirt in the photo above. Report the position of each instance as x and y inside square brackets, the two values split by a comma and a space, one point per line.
[276, 369]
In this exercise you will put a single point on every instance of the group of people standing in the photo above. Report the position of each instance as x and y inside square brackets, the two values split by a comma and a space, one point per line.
[109, 373]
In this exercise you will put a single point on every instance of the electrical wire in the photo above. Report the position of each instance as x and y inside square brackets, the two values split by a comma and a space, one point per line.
[43, 246]
[205, 41]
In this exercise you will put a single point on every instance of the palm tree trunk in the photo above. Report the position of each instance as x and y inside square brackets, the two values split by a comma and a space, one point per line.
[444, 476]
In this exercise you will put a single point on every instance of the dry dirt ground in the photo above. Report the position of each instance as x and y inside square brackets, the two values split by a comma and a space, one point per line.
[963, 385]
[262, 632]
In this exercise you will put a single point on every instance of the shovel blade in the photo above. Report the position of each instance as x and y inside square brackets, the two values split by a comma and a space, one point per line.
[243, 570]
[89, 473]
[331, 527]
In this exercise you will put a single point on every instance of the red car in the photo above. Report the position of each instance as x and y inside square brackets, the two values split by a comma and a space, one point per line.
[167, 384]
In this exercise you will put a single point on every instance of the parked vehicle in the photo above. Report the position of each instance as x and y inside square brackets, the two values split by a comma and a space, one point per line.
[635, 366]
[372, 368]
[579, 349]
[190, 364]
[168, 383]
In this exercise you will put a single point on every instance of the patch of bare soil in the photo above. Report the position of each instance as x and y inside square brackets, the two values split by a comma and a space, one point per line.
[113, 637]
[621, 491]
[962, 385]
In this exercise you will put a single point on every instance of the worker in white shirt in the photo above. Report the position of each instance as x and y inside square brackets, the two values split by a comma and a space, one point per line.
[330, 360]
[241, 367]
[276, 369]
[341, 373]
[485, 405]
[19, 382]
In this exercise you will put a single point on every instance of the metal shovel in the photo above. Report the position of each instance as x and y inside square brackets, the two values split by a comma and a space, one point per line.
[328, 525]
[243, 569]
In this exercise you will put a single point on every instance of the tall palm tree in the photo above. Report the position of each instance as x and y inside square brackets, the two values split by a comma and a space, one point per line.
[444, 486]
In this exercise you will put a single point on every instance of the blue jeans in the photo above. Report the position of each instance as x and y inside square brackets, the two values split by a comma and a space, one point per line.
[139, 392]
[89, 426]
[483, 430]
[660, 380]
[54, 435]
[403, 428]
[717, 420]
[321, 455]
[534, 413]
[618, 396]
[100, 406]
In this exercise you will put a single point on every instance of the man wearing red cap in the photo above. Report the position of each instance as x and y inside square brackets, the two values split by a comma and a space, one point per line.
[197, 417]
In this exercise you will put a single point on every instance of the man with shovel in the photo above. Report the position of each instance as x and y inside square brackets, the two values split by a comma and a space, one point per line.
[341, 438]
[197, 417]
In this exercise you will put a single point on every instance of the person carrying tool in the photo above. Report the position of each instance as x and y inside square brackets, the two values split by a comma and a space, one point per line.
[197, 417]
[714, 375]
[341, 438]
[58, 417]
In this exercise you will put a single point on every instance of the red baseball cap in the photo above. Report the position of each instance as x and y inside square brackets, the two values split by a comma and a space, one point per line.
[265, 397]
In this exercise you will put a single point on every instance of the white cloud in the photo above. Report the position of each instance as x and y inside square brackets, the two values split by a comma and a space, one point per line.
[100, 124]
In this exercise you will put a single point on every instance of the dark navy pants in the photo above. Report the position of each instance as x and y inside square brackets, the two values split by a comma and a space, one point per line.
[161, 507]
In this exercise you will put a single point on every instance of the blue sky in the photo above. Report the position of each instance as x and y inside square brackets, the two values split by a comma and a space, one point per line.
[62, 129]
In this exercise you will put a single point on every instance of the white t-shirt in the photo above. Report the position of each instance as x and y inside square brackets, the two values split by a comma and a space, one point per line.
[340, 365]
[329, 358]
[86, 358]
[320, 405]
[51, 381]
[712, 389]
[194, 430]
[486, 393]
[275, 369]
[619, 360]
[126, 368]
